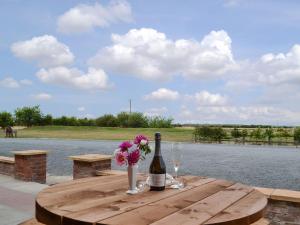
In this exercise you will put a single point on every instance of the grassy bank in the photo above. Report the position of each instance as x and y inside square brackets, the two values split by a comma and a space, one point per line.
[104, 133]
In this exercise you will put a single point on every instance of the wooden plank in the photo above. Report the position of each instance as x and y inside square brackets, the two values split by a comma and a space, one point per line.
[207, 208]
[75, 206]
[158, 210]
[104, 211]
[88, 190]
[79, 182]
[246, 211]
[49, 206]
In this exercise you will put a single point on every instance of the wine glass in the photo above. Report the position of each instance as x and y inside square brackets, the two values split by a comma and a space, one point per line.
[176, 160]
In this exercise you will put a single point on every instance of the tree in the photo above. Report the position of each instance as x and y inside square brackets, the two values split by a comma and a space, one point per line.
[123, 118]
[256, 134]
[137, 119]
[235, 133]
[107, 120]
[284, 133]
[28, 116]
[6, 119]
[207, 133]
[46, 120]
[244, 134]
[297, 135]
[218, 134]
[159, 122]
[269, 134]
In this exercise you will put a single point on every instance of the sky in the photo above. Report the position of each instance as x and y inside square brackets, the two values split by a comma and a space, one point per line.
[196, 61]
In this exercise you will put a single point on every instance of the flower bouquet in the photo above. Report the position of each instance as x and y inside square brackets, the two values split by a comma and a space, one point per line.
[130, 154]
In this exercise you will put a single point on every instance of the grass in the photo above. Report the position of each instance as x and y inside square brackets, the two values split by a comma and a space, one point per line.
[183, 134]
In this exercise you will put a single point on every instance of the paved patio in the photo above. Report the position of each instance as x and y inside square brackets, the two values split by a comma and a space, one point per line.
[17, 199]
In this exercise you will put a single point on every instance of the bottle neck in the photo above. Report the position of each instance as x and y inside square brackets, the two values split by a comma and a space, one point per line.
[157, 147]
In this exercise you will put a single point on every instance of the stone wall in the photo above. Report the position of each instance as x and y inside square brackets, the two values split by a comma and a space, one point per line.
[27, 165]
[7, 166]
[88, 165]
[283, 213]
[31, 168]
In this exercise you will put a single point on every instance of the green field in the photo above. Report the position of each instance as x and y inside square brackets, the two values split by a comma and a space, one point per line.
[105, 133]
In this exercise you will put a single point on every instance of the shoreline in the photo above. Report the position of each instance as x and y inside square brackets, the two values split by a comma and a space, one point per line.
[228, 143]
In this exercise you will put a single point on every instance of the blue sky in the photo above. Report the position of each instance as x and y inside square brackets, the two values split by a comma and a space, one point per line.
[208, 61]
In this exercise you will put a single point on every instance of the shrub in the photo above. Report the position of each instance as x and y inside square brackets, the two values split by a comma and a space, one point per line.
[46, 120]
[297, 135]
[123, 118]
[207, 133]
[137, 119]
[107, 120]
[235, 133]
[159, 122]
[86, 122]
[65, 121]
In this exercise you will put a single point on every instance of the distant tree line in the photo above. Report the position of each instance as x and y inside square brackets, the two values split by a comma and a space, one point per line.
[267, 135]
[32, 116]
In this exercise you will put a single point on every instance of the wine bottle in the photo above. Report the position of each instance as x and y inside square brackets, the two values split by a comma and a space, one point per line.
[157, 168]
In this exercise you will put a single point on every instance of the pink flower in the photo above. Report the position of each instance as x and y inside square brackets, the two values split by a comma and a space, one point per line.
[121, 157]
[139, 138]
[134, 157]
[125, 146]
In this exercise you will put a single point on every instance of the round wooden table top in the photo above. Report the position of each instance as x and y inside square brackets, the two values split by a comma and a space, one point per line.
[102, 200]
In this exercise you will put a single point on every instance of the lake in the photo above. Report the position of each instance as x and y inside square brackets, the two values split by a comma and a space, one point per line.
[267, 166]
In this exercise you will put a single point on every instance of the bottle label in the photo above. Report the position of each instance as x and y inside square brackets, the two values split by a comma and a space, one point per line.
[157, 180]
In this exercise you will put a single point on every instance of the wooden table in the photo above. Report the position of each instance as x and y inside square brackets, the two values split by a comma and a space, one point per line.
[102, 200]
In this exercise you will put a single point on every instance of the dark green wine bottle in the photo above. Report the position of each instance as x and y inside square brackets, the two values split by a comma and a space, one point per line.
[157, 168]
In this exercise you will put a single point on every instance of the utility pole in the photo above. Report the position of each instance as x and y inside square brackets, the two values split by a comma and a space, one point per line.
[129, 106]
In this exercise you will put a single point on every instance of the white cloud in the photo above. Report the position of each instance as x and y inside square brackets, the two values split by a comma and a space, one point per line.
[270, 70]
[280, 68]
[94, 79]
[26, 82]
[205, 98]
[156, 111]
[232, 3]
[42, 96]
[45, 50]
[81, 109]
[9, 82]
[240, 114]
[162, 94]
[83, 17]
[148, 54]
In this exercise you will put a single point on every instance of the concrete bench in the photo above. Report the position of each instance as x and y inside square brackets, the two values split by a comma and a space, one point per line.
[262, 221]
[7, 165]
[87, 165]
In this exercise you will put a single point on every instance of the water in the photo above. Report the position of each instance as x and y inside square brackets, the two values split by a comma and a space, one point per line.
[277, 167]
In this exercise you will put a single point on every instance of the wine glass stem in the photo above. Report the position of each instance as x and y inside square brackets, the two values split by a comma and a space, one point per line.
[176, 172]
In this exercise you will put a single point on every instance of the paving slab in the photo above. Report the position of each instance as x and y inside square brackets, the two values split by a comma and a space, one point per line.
[12, 216]
[17, 200]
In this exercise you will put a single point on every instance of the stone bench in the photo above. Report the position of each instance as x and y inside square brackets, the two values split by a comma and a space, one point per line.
[32, 221]
[7, 165]
[88, 165]
[262, 221]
